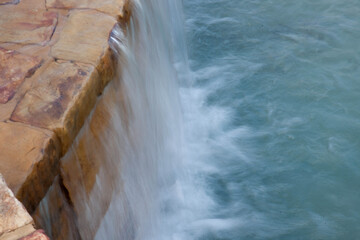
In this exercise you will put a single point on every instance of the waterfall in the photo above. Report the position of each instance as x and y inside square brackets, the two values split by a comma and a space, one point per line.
[147, 141]
[119, 178]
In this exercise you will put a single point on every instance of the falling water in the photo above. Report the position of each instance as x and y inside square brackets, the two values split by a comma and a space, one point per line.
[148, 141]
[259, 140]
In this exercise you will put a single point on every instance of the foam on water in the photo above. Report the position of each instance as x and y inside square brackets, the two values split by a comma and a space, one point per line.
[255, 135]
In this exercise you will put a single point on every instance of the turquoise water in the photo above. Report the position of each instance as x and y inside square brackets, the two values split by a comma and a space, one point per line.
[272, 122]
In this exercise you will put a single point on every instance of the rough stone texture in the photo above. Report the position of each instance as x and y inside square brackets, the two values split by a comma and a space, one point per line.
[33, 24]
[91, 29]
[112, 7]
[85, 174]
[61, 100]
[14, 68]
[3, 2]
[37, 235]
[29, 161]
[56, 214]
[13, 214]
[54, 63]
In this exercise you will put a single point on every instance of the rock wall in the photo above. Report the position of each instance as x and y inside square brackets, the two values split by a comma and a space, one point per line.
[15, 221]
[55, 62]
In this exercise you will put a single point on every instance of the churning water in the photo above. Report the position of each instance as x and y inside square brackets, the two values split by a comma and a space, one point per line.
[255, 135]
[272, 122]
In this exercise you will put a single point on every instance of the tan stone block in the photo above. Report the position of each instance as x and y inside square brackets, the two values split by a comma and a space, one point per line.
[87, 171]
[29, 161]
[31, 24]
[14, 68]
[13, 215]
[18, 233]
[37, 235]
[3, 2]
[56, 215]
[112, 7]
[84, 37]
[61, 100]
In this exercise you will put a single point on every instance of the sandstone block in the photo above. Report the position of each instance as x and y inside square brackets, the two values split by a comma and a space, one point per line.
[87, 30]
[31, 24]
[56, 215]
[3, 2]
[29, 161]
[112, 7]
[87, 170]
[14, 219]
[37, 235]
[14, 68]
[61, 99]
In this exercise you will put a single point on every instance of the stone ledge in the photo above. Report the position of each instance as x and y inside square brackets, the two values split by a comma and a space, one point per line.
[15, 222]
[13, 215]
[29, 161]
[114, 8]
[55, 61]
[31, 24]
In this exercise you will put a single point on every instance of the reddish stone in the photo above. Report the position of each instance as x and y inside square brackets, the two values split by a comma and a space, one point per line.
[4, 2]
[37, 235]
[14, 68]
[32, 23]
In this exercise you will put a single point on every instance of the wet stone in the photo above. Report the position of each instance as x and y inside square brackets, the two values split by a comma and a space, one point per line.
[14, 68]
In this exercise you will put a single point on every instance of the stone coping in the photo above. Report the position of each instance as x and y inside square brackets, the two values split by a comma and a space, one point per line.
[55, 61]
[15, 221]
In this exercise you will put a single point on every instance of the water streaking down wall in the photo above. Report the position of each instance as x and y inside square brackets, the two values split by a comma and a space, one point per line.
[262, 143]
[114, 179]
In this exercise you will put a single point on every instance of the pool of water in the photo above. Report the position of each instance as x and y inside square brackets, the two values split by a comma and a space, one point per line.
[271, 120]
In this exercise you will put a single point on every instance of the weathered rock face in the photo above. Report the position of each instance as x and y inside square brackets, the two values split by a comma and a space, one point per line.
[85, 165]
[80, 29]
[37, 235]
[3, 2]
[81, 196]
[56, 214]
[14, 68]
[33, 24]
[55, 61]
[60, 100]
[112, 7]
[15, 222]
[29, 161]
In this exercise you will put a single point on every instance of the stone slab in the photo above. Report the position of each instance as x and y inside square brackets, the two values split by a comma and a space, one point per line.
[13, 215]
[61, 99]
[31, 24]
[14, 68]
[89, 31]
[87, 171]
[56, 215]
[4, 2]
[29, 161]
[37, 235]
[112, 7]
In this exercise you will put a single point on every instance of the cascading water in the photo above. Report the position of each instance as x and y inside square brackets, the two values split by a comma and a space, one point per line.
[119, 177]
[258, 141]
[148, 143]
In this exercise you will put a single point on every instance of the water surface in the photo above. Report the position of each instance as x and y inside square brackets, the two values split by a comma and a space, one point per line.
[271, 120]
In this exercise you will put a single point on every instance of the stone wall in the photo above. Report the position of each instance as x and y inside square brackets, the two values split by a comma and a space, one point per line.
[55, 61]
